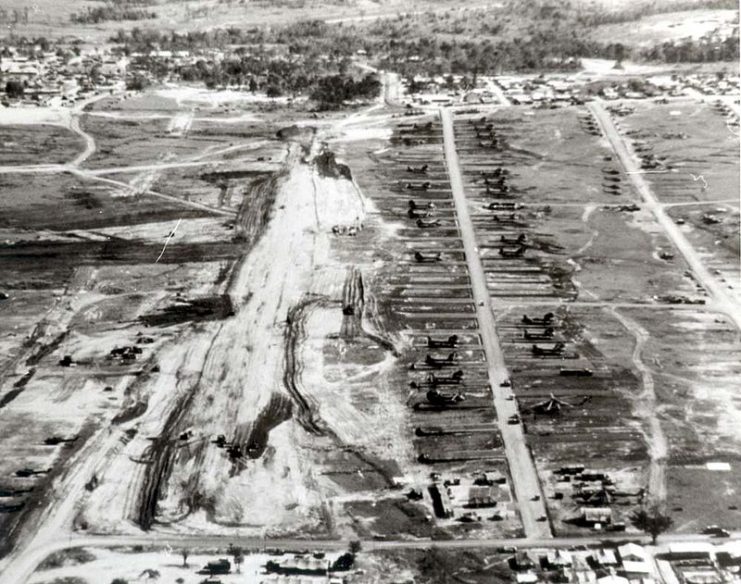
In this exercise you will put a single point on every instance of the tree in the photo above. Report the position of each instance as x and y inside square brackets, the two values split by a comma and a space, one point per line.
[119, 581]
[185, 554]
[651, 520]
[14, 89]
[238, 556]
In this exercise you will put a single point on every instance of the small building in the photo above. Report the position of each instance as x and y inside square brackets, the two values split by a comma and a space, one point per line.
[636, 569]
[632, 552]
[558, 559]
[481, 496]
[605, 558]
[612, 579]
[592, 516]
[521, 561]
[526, 578]
[691, 551]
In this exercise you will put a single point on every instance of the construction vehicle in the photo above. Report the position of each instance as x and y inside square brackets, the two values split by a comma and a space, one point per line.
[541, 336]
[425, 186]
[546, 319]
[428, 258]
[426, 224]
[418, 169]
[556, 349]
[440, 362]
[449, 343]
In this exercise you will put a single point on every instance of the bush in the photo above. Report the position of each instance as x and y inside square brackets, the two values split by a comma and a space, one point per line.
[71, 557]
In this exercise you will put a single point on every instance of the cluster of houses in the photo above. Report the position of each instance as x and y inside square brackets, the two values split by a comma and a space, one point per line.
[58, 77]
[680, 563]
[62, 76]
[558, 89]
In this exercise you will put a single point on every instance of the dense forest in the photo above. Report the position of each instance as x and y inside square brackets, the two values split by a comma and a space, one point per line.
[115, 10]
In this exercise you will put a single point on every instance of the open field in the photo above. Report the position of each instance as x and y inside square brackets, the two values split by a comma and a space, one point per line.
[670, 26]
[41, 144]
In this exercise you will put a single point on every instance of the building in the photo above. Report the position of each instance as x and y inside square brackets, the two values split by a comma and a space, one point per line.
[605, 558]
[631, 552]
[593, 516]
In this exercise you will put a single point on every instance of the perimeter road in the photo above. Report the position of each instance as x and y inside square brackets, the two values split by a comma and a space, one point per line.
[724, 301]
[521, 466]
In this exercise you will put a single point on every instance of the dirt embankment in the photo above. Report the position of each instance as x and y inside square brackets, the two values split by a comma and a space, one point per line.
[295, 334]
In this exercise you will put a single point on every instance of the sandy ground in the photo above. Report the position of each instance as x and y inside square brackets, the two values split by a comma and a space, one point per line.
[133, 567]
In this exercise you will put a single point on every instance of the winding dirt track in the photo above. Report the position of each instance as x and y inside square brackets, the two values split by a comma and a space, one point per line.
[645, 406]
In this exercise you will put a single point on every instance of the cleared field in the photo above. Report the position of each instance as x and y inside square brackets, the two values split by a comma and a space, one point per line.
[669, 26]
[132, 142]
[697, 148]
[42, 144]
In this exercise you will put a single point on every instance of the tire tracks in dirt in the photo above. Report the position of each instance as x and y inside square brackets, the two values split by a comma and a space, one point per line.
[645, 406]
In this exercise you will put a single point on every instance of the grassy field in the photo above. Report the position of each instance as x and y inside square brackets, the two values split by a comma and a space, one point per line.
[42, 144]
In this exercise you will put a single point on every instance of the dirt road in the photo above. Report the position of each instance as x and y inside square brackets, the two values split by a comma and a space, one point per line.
[20, 573]
[724, 301]
[645, 407]
[521, 465]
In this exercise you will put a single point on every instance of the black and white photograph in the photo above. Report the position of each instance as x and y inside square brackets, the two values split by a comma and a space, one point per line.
[370, 292]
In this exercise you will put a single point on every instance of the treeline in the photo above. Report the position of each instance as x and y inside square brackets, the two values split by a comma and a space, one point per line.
[639, 10]
[116, 11]
[332, 91]
[692, 51]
